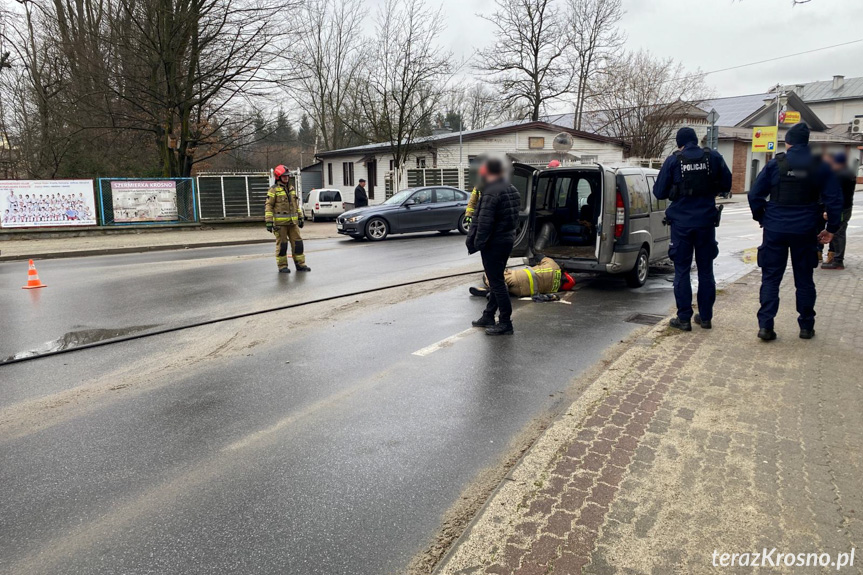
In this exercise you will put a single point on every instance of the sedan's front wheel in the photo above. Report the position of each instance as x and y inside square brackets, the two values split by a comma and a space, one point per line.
[463, 226]
[377, 229]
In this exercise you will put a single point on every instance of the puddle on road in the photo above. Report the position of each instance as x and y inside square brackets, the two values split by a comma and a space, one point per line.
[78, 338]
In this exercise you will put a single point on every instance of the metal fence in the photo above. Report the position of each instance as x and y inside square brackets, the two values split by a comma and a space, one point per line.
[455, 177]
[232, 196]
[143, 201]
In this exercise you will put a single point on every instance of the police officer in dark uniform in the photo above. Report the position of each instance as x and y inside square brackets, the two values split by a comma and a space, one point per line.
[786, 200]
[691, 178]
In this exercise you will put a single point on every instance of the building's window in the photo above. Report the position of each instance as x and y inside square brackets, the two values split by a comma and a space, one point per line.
[347, 173]
[535, 142]
[421, 161]
[330, 173]
[589, 159]
[392, 163]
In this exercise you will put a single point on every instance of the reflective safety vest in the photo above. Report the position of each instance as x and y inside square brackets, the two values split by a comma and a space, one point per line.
[696, 178]
[472, 203]
[796, 186]
[282, 207]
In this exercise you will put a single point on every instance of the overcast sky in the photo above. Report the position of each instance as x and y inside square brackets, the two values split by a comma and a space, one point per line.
[714, 34]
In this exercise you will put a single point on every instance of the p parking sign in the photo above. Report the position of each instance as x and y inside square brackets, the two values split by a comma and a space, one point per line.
[764, 139]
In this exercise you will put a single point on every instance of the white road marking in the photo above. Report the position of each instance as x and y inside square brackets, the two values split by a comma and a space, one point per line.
[444, 342]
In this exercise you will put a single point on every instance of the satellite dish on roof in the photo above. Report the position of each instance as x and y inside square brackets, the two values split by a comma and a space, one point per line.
[562, 142]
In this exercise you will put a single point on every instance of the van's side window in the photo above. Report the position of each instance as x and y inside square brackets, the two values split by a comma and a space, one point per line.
[561, 191]
[542, 193]
[657, 204]
[639, 195]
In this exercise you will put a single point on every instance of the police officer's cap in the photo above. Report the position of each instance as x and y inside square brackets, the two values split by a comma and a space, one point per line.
[685, 136]
[797, 135]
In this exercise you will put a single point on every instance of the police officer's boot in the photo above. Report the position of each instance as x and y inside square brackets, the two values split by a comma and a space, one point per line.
[704, 323]
[766, 334]
[485, 321]
[680, 324]
[807, 333]
[500, 329]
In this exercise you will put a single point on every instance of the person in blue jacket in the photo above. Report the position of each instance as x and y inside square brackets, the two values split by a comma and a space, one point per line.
[691, 178]
[786, 199]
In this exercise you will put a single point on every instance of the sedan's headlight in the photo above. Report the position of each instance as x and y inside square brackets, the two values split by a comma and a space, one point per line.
[353, 219]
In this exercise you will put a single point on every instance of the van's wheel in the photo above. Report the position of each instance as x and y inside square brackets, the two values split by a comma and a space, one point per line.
[377, 229]
[637, 276]
[313, 217]
[463, 226]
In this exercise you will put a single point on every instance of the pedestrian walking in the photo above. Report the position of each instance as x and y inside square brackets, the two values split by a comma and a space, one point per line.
[691, 178]
[361, 198]
[493, 235]
[284, 219]
[847, 183]
[786, 200]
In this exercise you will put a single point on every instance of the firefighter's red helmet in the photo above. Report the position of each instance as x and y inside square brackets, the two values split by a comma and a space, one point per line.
[554, 164]
[279, 171]
[568, 282]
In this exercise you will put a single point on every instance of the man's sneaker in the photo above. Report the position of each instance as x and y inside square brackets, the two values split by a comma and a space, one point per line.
[484, 321]
[304, 268]
[766, 334]
[705, 324]
[807, 333]
[834, 265]
[680, 324]
[500, 329]
[284, 271]
[478, 292]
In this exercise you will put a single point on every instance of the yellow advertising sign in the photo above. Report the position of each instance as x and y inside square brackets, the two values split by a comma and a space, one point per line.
[789, 117]
[764, 139]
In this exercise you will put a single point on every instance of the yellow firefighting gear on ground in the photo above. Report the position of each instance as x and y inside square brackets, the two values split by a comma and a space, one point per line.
[283, 213]
[544, 278]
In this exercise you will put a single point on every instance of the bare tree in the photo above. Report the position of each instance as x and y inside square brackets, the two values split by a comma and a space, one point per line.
[642, 100]
[405, 75]
[596, 38]
[528, 59]
[327, 58]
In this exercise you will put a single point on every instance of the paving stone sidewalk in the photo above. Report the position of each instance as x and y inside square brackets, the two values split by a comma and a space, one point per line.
[695, 442]
[149, 240]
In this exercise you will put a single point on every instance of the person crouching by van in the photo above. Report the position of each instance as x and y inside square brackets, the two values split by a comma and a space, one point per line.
[492, 233]
[544, 278]
[691, 178]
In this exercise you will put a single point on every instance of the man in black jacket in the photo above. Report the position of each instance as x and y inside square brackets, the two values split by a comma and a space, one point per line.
[848, 182]
[361, 198]
[492, 233]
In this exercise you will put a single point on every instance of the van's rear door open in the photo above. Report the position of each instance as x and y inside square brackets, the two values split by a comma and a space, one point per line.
[524, 178]
[605, 225]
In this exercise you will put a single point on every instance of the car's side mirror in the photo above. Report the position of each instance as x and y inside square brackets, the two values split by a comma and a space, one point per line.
[410, 202]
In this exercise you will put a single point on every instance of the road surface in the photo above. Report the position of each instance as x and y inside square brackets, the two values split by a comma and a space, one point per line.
[329, 438]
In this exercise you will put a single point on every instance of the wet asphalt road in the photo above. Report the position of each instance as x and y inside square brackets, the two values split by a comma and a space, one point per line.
[134, 458]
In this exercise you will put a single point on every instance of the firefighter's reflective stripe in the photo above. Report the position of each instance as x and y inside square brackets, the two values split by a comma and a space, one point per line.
[284, 219]
[531, 279]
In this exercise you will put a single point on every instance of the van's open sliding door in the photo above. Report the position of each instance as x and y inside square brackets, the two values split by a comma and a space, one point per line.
[523, 178]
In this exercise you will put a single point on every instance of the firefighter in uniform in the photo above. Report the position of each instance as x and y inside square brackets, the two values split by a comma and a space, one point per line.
[284, 218]
[547, 277]
[691, 178]
[786, 199]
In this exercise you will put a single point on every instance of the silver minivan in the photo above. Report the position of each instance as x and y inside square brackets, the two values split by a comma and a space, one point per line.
[592, 218]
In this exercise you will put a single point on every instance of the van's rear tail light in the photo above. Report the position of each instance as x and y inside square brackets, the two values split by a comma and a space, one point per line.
[317, 206]
[619, 217]
[343, 205]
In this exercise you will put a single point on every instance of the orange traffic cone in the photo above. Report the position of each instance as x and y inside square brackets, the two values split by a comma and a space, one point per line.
[33, 280]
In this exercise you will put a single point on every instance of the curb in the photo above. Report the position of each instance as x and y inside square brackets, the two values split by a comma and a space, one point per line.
[129, 250]
[140, 249]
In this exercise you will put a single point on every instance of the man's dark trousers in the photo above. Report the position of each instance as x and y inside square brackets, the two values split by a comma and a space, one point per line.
[773, 258]
[702, 242]
[840, 238]
[494, 258]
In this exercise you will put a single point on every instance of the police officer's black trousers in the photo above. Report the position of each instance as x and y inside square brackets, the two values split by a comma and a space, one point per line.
[773, 259]
[701, 242]
[494, 259]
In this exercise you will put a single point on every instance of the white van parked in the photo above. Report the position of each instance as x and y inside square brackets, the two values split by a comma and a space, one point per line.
[322, 204]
